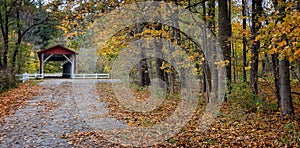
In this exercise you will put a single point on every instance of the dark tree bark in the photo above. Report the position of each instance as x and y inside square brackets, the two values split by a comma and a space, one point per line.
[231, 45]
[284, 71]
[285, 88]
[1, 60]
[204, 63]
[298, 69]
[264, 64]
[224, 35]
[275, 62]
[234, 65]
[244, 40]
[144, 78]
[255, 26]
[5, 14]
[143, 73]
[161, 73]
[211, 14]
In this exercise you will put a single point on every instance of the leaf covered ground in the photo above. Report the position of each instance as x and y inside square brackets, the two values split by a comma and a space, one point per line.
[15, 98]
[238, 124]
[257, 124]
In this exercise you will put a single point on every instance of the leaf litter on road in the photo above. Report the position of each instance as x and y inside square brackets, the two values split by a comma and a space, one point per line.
[233, 127]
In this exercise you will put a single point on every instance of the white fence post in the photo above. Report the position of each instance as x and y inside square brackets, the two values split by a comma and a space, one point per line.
[25, 77]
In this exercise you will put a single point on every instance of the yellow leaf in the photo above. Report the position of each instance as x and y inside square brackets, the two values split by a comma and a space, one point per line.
[282, 43]
[297, 52]
[273, 50]
[247, 68]
[164, 65]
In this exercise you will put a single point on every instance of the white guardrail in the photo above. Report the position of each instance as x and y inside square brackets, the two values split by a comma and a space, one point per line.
[26, 76]
[91, 76]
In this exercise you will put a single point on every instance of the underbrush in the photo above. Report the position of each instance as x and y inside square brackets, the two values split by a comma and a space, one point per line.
[6, 81]
[241, 96]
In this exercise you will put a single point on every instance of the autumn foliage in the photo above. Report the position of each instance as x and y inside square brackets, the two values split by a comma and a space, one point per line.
[235, 125]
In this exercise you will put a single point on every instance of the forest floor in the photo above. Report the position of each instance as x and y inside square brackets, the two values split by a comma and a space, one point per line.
[68, 113]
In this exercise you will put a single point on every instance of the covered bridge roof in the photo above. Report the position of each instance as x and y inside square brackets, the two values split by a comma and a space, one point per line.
[58, 51]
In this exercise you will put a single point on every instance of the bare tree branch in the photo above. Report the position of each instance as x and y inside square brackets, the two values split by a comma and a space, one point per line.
[34, 25]
[296, 93]
[203, 1]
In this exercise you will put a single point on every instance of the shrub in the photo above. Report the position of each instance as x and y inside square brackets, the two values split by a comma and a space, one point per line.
[241, 95]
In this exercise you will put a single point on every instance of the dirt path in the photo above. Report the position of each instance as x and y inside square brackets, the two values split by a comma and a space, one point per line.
[66, 107]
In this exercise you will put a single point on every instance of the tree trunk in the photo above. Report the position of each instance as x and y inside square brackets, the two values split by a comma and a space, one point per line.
[1, 61]
[275, 62]
[143, 73]
[5, 53]
[256, 13]
[17, 44]
[244, 41]
[263, 65]
[298, 69]
[235, 73]
[144, 79]
[161, 74]
[209, 79]
[223, 37]
[211, 14]
[231, 49]
[4, 15]
[285, 88]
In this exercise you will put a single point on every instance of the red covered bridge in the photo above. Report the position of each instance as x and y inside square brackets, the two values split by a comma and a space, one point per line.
[59, 53]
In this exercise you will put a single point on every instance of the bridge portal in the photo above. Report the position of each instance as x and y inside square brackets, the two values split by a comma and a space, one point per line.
[59, 53]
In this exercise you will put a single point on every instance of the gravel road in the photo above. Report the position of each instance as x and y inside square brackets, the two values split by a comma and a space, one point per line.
[66, 106]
